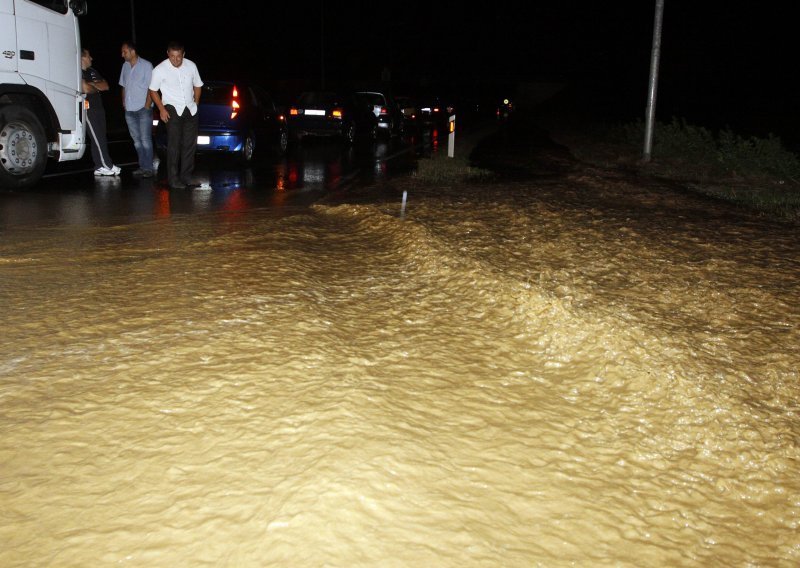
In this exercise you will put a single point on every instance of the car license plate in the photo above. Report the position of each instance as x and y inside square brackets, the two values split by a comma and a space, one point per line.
[315, 112]
[204, 140]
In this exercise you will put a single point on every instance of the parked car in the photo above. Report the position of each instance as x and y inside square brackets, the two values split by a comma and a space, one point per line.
[326, 113]
[386, 110]
[435, 110]
[235, 118]
[409, 109]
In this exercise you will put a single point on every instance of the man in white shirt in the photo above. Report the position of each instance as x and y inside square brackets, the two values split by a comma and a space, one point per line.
[179, 82]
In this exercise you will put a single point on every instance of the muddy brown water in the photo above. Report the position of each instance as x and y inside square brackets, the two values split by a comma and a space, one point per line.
[568, 371]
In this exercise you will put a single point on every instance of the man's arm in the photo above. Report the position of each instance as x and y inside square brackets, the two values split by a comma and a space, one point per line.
[162, 110]
[93, 86]
[100, 84]
[197, 91]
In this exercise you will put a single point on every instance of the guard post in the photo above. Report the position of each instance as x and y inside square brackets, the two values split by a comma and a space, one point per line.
[451, 137]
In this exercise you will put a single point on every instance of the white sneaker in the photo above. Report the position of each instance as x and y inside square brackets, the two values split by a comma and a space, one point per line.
[112, 171]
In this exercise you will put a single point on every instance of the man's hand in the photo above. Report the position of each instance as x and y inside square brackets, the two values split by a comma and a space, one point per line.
[162, 110]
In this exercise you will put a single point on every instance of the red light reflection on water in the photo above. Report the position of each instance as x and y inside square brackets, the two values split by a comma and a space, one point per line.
[333, 174]
[161, 207]
[235, 204]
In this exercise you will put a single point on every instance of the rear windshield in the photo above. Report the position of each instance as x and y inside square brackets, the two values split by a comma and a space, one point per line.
[372, 98]
[217, 94]
[317, 99]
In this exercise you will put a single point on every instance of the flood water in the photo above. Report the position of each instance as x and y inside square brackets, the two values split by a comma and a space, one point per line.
[568, 371]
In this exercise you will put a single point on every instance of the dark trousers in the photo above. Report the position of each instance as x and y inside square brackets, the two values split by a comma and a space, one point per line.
[181, 145]
[96, 127]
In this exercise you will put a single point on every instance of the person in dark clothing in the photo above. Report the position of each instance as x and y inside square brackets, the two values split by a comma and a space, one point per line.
[93, 85]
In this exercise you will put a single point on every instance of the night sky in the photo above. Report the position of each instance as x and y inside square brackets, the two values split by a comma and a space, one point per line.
[723, 63]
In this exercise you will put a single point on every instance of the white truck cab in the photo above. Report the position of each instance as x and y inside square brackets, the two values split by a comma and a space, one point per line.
[42, 111]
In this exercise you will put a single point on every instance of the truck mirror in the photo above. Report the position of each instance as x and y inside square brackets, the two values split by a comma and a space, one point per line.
[78, 7]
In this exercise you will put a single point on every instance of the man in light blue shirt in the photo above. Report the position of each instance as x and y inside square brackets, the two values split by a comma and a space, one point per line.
[135, 80]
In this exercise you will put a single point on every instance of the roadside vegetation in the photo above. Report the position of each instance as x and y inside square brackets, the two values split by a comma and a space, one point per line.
[439, 168]
[758, 173]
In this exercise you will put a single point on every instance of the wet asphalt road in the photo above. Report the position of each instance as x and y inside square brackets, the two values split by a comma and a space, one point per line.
[69, 194]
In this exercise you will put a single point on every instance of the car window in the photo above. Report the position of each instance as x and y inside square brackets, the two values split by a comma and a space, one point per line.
[317, 99]
[264, 99]
[373, 98]
[217, 94]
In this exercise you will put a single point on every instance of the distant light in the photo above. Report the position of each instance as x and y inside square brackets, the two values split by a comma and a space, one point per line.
[505, 101]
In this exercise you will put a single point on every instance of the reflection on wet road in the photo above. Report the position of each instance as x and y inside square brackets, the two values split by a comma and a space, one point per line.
[70, 195]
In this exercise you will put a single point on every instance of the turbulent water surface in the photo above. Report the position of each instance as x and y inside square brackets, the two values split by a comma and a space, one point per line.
[535, 374]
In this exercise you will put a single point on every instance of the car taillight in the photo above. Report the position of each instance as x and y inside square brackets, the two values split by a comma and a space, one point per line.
[281, 118]
[293, 112]
[384, 110]
[235, 103]
[336, 113]
[435, 109]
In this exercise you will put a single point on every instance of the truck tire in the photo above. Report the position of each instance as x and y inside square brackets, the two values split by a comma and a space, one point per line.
[23, 147]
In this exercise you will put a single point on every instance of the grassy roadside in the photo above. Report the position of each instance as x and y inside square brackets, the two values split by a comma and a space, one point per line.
[757, 173]
[439, 168]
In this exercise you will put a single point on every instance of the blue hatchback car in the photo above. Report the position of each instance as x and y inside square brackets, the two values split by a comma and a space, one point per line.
[236, 118]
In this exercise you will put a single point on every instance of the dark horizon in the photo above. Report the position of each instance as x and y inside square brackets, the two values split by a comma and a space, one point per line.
[721, 64]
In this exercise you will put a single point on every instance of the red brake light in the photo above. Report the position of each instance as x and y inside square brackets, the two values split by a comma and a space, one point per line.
[384, 110]
[235, 103]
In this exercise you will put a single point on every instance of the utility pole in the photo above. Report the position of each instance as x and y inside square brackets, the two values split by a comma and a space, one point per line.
[652, 86]
[322, 43]
[133, 24]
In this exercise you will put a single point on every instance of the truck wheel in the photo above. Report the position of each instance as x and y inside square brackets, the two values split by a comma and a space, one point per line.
[23, 147]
